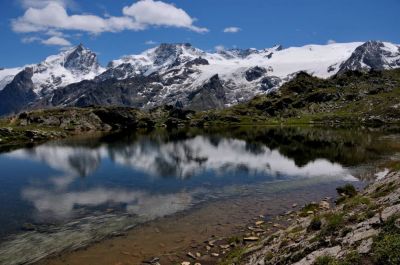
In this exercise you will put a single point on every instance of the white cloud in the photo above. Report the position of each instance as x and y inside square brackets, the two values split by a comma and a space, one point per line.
[56, 41]
[51, 16]
[30, 39]
[150, 42]
[44, 3]
[330, 42]
[232, 30]
[158, 13]
[219, 48]
[55, 17]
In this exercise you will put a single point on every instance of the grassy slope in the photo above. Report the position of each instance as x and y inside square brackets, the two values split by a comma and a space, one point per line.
[352, 98]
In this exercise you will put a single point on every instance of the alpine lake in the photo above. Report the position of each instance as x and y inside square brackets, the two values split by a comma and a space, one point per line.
[127, 197]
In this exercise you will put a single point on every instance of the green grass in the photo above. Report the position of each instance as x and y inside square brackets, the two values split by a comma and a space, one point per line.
[233, 257]
[334, 222]
[384, 190]
[309, 207]
[386, 246]
[353, 202]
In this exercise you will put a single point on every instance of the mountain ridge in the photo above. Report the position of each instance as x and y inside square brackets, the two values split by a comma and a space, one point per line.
[172, 73]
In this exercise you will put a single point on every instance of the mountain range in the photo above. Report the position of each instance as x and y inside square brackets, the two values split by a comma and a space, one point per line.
[180, 75]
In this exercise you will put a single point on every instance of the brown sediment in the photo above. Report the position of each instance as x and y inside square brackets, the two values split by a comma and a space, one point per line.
[171, 238]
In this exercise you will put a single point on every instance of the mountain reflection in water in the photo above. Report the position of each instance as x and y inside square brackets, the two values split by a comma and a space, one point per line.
[180, 159]
[79, 191]
[160, 173]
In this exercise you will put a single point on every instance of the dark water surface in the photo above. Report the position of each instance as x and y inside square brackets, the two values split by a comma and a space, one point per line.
[86, 184]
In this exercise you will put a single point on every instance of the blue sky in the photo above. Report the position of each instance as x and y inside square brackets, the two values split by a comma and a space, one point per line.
[34, 29]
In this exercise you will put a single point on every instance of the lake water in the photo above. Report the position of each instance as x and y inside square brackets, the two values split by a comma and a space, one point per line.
[67, 194]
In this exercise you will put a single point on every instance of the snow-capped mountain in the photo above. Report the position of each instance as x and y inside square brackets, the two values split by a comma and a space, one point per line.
[185, 76]
[70, 66]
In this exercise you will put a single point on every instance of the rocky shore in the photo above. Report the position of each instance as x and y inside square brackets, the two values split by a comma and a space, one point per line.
[358, 228]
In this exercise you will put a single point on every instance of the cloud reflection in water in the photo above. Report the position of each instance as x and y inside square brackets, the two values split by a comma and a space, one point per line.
[180, 159]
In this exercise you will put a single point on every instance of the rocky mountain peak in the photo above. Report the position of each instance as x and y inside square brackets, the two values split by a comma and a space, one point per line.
[81, 59]
[169, 53]
[375, 55]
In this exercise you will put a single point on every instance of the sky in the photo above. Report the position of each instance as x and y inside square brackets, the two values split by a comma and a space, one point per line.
[31, 30]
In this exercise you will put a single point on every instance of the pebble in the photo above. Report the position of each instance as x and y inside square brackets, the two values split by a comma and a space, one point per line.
[214, 254]
[324, 205]
[259, 223]
[294, 205]
[191, 255]
[208, 248]
[224, 246]
[198, 254]
[251, 238]
[185, 263]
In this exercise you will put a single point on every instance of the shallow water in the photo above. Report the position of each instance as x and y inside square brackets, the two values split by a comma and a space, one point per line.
[67, 194]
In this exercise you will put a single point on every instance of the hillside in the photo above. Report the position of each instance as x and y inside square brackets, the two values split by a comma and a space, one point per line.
[352, 97]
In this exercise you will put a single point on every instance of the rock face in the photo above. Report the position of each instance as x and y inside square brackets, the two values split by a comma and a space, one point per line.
[372, 55]
[210, 96]
[171, 73]
[350, 232]
[255, 73]
[81, 60]
[19, 93]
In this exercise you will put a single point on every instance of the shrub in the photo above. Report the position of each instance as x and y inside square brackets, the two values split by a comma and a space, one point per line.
[386, 247]
[352, 258]
[385, 250]
[355, 201]
[309, 207]
[334, 222]
[325, 260]
[348, 190]
[315, 224]
[384, 190]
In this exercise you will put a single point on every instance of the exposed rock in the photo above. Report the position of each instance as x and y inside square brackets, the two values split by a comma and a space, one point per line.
[310, 258]
[254, 73]
[324, 205]
[365, 246]
[370, 55]
[270, 82]
[191, 255]
[18, 94]
[210, 96]
[251, 238]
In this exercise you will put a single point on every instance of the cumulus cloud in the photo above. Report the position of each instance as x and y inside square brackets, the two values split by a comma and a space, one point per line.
[232, 30]
[158, 13]
[30, 39]
[55, 17]
[44, 16]
[44, 3]
[56, 41]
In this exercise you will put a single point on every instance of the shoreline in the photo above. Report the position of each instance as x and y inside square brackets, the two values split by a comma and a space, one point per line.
[283, 237]
[180, 238]
[39, 126]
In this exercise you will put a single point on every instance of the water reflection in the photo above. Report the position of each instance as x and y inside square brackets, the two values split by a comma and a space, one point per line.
[193, 156]
[85, 189]
[56, 204]
[164, 172]
[179, 159]
[58, 197]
